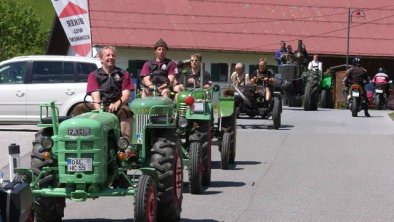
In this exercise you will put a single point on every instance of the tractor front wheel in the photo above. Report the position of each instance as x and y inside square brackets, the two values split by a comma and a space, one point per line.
[196, 168]
[166, 159]
[276, 113]
[45, 208]
[145, 206]
[225, 151]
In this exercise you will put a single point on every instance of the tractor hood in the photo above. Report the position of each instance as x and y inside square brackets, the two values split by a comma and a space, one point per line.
[92, 122]
[144, 105]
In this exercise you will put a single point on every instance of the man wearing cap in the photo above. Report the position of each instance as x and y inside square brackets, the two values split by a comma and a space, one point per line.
[280, 52]
[159, 72]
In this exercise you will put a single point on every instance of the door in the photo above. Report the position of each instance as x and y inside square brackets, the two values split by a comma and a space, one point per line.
[13, 92]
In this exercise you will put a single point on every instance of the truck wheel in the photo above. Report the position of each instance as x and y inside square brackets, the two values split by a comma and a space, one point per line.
[276, 113]
[145, 206]
[167, 160]
[225, 151]
[196, 168]
[45, 208]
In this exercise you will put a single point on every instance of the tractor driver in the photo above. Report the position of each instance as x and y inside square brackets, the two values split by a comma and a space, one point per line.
[193, 76]
[112, 86]
[159, 72]
[261, 75]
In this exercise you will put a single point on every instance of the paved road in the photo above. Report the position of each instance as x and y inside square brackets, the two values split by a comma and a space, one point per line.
[320, 166]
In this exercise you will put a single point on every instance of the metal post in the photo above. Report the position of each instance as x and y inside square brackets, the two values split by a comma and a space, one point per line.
[13, 159]
[348, 37]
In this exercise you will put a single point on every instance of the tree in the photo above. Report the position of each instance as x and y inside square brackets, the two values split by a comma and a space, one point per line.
[20, 31]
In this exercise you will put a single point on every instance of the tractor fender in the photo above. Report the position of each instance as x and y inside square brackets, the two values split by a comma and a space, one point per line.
[150, 171]
[226, 107]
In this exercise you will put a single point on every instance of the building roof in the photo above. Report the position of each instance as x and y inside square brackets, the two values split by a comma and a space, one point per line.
[246, 25]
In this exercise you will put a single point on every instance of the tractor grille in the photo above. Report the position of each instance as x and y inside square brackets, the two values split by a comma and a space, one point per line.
[182, 109]
[140, 122]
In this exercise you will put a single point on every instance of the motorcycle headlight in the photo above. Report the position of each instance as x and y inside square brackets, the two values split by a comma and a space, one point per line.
[182, 121]
[123, 143]
[47, 142]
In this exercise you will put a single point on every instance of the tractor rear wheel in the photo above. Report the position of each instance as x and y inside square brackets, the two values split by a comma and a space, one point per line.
[167, 160]
[45, 208]
[145, 206]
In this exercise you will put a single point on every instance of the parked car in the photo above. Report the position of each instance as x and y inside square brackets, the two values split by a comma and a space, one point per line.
[27, 81]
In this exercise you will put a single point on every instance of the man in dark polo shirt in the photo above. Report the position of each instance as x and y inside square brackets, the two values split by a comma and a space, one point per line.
[159, 72]
[112, 86]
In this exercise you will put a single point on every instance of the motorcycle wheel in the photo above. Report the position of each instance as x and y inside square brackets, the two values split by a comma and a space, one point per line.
[355, 105]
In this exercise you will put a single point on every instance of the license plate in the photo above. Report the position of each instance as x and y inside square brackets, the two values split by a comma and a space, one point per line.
[198, 107]
[79, 164]
[355, 94]
[379, 90]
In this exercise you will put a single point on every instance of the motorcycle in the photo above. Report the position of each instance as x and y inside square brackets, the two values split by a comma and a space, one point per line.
[356, 99]
[380, 97]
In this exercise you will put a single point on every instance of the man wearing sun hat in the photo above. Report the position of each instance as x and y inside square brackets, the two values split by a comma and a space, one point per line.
[159, 72]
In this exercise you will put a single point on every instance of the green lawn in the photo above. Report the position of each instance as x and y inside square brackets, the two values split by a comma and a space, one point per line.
[44, 10]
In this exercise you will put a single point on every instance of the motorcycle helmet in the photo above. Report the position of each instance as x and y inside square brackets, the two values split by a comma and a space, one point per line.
[356, 61]
[381, 70]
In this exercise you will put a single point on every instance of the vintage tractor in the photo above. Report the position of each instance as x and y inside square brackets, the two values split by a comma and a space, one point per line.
[250, 100]
[293, 79]
[86, 157]
[196, 126]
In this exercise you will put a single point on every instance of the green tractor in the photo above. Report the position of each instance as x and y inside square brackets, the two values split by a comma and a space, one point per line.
[197, 127]
[84, 157]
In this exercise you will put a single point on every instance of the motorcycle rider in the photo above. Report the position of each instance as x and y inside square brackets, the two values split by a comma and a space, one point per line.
[262, 73]
[357, 75]
[382, 79]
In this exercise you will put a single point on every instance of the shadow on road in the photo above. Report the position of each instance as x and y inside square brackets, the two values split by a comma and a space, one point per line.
[98, 220]
[261, 126]
[132, 220]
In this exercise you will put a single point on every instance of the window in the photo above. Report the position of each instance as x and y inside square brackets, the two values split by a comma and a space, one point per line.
[47, 72]
[219, 72]
[13, 73]
[84, 69]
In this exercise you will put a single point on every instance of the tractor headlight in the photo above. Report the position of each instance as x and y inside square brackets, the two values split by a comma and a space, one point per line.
[123, 143]
[182, 121]
[47, 142]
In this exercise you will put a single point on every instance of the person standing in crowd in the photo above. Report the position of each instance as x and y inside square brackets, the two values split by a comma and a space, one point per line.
[158, 73]
[315, 64]
[280, 52]
[238, 77]
[111, 86]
